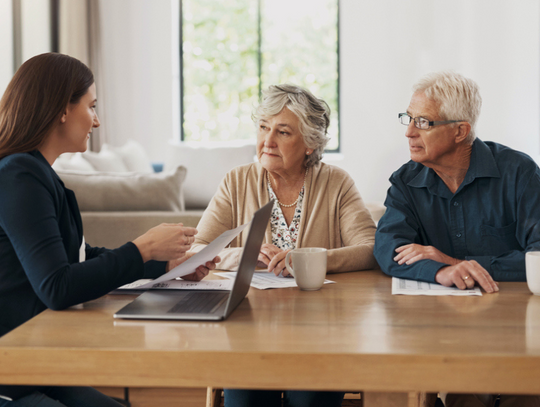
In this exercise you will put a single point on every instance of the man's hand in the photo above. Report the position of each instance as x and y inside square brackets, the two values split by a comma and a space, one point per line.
[464, 275]
[411, 253]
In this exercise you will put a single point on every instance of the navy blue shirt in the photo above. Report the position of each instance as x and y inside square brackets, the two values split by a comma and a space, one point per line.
[493, 217]
[40, 237]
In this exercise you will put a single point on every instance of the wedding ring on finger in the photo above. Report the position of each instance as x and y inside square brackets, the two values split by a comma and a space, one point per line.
[465, 278]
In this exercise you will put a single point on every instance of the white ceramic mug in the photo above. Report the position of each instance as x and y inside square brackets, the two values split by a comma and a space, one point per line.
[532, 267]
[308, 267]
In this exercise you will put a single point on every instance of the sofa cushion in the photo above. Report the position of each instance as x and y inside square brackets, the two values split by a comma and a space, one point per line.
[99, 191]
[105, 161]
[207, 167]
[72, 162]
[133, 156]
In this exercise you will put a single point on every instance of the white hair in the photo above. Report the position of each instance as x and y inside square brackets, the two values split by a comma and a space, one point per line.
[313, 115]
[458, 97]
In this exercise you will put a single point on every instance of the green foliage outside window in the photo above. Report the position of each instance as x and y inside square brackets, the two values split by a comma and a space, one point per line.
[221, 38]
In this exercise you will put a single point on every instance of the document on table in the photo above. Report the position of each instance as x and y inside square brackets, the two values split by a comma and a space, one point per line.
[177, 285]
[265, 280]
[206, 254]
[411, 287]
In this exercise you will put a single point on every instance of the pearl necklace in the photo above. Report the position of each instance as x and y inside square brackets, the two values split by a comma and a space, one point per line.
[295, 202]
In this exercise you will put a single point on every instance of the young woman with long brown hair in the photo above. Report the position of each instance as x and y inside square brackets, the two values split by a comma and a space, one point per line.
[49, 109]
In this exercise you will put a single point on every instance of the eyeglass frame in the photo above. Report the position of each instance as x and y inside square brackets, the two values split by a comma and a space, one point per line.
[430, 123]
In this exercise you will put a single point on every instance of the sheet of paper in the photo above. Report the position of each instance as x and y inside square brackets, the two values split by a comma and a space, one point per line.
[180, 285]
[264, 281]
[206, 254]
[411, 287]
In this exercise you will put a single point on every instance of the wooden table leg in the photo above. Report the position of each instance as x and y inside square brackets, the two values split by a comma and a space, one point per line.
[213, 396]
[411, 399]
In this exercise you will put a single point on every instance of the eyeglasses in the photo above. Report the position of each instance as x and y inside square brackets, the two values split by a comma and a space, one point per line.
[420, 122]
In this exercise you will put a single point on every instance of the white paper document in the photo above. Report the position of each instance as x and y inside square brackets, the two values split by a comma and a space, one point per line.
[411, 287]
[266, 280]
[180, 285]
[206, 254]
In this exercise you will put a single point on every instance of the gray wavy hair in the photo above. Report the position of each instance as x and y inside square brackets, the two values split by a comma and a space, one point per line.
[313, 115]
[458, 97]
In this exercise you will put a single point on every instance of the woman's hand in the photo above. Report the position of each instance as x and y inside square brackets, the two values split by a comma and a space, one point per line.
[277, 265]
[273, 258]
[201, 271]
[267, 253]
[165, 242]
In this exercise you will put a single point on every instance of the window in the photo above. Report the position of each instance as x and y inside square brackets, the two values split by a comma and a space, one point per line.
[27, 28]
[232, 50]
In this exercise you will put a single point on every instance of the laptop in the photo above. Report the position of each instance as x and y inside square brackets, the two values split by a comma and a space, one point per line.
[207, 305]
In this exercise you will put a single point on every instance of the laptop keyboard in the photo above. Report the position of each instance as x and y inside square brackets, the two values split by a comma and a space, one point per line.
[198, 302]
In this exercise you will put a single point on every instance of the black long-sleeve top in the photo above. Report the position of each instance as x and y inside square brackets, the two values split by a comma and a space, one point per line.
[40, 238]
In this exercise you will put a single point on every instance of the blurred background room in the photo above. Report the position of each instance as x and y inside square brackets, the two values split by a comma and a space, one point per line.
[174, 74]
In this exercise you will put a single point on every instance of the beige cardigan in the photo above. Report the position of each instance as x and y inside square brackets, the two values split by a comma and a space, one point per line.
[333, 216]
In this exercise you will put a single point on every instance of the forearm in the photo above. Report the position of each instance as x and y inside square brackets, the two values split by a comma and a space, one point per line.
[352, 258]
[70, 284]
[423, 270]
[152, 269]
[509, 267]
[385, 251]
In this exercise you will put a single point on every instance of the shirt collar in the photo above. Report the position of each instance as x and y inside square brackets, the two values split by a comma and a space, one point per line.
[482, 165]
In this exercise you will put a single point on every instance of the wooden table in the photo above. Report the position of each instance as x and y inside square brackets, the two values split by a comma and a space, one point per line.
[353, 335]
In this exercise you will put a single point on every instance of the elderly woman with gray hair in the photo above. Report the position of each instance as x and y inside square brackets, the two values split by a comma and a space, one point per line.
[315, 204]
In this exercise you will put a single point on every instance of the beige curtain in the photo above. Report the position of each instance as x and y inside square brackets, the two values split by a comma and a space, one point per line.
[80, 37]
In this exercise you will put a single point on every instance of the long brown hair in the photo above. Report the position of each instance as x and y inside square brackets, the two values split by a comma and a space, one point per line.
[36, 98]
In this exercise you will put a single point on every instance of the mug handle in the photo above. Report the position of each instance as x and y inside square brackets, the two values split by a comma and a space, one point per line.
[287, 261]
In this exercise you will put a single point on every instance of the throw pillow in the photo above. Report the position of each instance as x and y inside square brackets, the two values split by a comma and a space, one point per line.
[133, 156]
[72, 162]
[100, 191]
[207, 167]
[106, 161]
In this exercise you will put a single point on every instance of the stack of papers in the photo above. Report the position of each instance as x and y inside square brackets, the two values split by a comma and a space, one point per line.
[411, 287]
[265, 280]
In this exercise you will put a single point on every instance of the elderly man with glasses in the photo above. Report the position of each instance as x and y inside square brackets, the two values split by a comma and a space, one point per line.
[462, 212]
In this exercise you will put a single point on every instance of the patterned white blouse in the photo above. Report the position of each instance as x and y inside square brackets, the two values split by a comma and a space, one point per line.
[283, 236]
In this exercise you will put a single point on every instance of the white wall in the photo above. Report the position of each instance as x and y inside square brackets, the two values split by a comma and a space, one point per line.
[386, 45]
[35, 34]
[6, 44]
[35, 27]
[136, 39]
